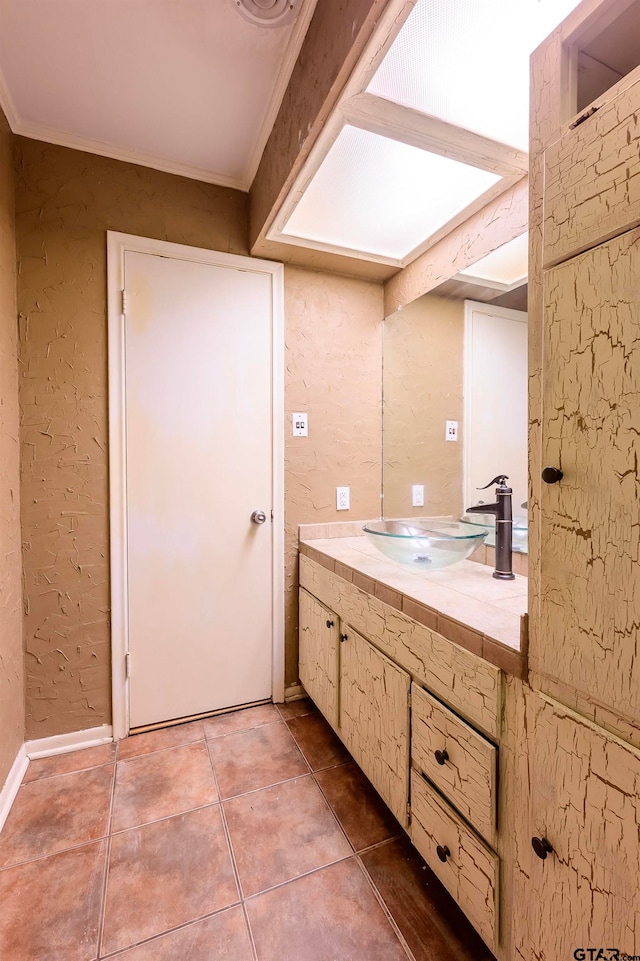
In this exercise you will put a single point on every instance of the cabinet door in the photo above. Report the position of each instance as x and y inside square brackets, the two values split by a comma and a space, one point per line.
[591, 189]
[584, 790]
[318, 664]
[589, 631]
[374, 718]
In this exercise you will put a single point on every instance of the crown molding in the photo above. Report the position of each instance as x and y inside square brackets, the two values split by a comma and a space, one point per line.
[35, 131]
[7, 104]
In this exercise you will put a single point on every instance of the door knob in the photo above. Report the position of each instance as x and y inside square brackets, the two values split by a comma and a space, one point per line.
[551, 475]
[542, 847]
[441, 756]
[329, 623]
[258, 517]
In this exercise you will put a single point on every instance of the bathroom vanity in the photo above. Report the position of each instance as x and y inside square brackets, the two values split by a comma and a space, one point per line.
[525, 809]
[411, 672]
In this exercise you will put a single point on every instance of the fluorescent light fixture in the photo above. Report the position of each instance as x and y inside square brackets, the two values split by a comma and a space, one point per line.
[379, 196]
[467, 62]
[508, 265]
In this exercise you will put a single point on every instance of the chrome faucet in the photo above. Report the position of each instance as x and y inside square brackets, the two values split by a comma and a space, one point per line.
[504, 524]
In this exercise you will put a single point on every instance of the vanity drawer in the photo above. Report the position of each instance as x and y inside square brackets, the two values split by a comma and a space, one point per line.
[470, 869]
[465, 765]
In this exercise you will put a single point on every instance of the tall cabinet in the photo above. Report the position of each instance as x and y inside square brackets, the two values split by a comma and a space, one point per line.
[578, 844]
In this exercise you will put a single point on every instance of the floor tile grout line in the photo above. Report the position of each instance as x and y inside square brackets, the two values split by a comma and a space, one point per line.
[383, 904]
[82, 770]
[165, 817]
[53, 854]
[160, 750]
[234, 865]
[337, 819]
[114, 955]
[305, 874]
[242, 730]
[105, 882]
[380, 844]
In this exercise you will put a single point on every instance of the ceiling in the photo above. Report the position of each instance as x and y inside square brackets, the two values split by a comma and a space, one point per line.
[430, 128]
[185, 86]
[426, 132]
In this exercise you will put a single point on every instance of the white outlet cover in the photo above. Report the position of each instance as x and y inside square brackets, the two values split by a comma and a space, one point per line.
[451, 430]
[343, 498]
[417, 495]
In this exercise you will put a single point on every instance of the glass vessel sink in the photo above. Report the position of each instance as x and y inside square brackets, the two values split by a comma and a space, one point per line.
[425, 543]
[519, 531]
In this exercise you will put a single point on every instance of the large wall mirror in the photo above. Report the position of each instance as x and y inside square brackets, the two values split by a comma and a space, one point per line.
[455, 393]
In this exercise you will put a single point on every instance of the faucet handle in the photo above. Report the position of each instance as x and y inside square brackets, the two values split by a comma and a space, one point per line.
[500, 479]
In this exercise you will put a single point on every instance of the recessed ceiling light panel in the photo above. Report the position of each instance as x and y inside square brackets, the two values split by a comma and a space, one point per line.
[467, 62]
[508, 265]
[378, 196]
[267, 13]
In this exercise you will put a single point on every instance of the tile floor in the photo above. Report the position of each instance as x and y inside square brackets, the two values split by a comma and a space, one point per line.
[246, 836]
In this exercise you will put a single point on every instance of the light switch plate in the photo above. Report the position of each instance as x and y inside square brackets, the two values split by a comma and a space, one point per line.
[300, 425]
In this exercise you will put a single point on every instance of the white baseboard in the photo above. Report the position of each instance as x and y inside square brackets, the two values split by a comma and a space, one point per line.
[64, 743]
[294, 693]
[12, 784]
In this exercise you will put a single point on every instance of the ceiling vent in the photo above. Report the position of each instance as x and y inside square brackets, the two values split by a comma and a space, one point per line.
[267, 13]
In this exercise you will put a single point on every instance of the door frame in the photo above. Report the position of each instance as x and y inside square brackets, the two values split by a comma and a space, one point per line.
[118, 244]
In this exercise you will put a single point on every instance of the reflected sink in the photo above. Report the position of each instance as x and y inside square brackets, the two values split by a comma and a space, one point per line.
[425, 543]
[519, 531]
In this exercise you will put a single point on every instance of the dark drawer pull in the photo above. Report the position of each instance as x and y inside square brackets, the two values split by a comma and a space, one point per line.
[542, 847]
[443, 852]
[329, 623]
[441, 756]
[551, 475]
[344, 637]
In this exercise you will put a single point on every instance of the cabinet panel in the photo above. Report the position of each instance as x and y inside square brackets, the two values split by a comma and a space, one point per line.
[467, 773]
[589, 631]
[592, 179]
[468, 683]
[585, 800]
[470, 871]
[374, 718]
[318, 660]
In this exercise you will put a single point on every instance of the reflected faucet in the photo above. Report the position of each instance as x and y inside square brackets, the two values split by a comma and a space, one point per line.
[504, 524]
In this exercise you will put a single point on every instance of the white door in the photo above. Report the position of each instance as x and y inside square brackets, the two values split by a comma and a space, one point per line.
[496, 385]
[198, 397]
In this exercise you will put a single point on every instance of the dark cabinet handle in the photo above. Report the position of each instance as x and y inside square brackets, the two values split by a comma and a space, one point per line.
[551, 475]
[443, 852]
[542, 847]
[329, 623]
[441, 756]
[344, 637]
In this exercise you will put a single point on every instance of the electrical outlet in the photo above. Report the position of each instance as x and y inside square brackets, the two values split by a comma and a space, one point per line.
[451, 430]
[417, 495]
[343, 498]
[300, 425]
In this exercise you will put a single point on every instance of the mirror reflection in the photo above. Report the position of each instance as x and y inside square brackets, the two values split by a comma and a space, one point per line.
[455, 396]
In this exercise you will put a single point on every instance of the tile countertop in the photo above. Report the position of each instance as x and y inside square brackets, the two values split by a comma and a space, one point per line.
[463, 602]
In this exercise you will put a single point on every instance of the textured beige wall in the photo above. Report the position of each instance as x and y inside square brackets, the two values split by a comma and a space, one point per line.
[11, 657]
[423, 375]
[65, 202]
[333, 371]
